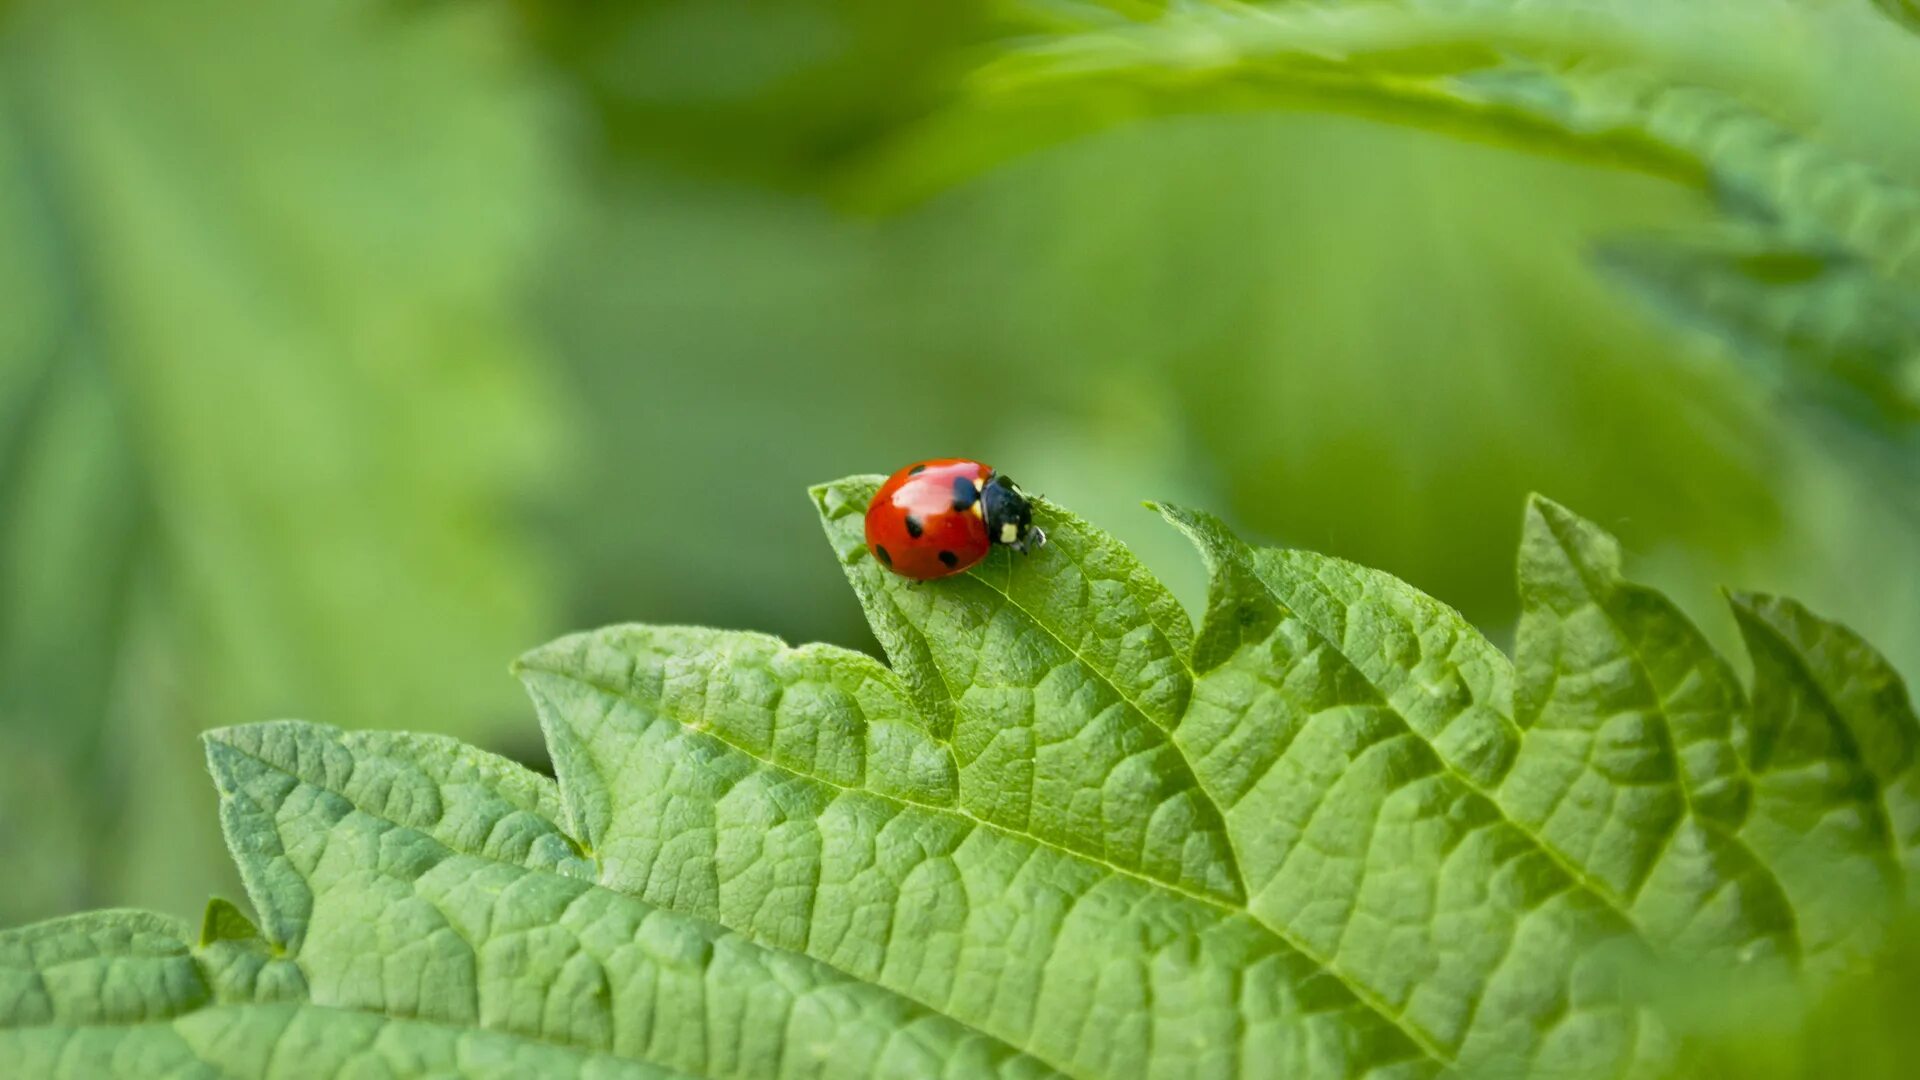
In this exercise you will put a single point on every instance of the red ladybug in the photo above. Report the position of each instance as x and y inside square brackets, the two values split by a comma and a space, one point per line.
[938, 517]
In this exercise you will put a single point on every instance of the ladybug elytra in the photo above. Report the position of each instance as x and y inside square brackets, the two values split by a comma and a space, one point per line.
[938, 517]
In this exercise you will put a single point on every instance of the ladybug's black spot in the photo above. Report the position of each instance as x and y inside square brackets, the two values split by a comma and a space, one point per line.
[950, 559]
[885, 559]
[916, 470]
[964, 494]
[914, 528]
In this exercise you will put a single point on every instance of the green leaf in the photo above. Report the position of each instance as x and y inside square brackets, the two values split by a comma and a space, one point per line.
[421, 909]
[123, 993]
[1334, 832]
[1393, 63]
[1812, 320]
[1707, 95]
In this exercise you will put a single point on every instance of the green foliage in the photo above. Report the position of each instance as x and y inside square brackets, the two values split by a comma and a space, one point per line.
[1711, 96]
[260, 375]
[267, 400]
[1332, 832]
[1814, 320]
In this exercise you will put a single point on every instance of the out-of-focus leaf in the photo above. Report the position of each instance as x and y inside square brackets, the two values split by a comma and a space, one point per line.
[1396, 64]
[1765, 1028]
[1823, 322]
[268, 400]
[71, 515]
[1766, 169]
[1904, 12]
[781, 93]
[1413, 318]
[1624, 85]
[69, 536]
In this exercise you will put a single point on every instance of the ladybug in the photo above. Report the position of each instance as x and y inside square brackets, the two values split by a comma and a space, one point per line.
[939, 517]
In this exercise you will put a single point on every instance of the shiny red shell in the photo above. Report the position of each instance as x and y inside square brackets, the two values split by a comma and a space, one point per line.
[916, 526]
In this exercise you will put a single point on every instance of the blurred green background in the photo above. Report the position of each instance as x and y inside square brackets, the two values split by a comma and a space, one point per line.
[349, 348]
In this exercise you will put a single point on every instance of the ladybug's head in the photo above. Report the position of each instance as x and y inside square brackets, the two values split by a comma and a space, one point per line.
[1009, 515]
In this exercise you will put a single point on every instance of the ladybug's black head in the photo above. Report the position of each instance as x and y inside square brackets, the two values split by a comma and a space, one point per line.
[1009, 515]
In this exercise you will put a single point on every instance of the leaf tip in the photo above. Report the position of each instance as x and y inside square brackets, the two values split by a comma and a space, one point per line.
[224, 921]
[1762, 615]
[217, 745]
[1788, 619]
[1217, 543]
[561, 656]
[222, 735]
[1187, 521]
[837, 498]
[1545, 510]
[1751, 609]
[1554, 540]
